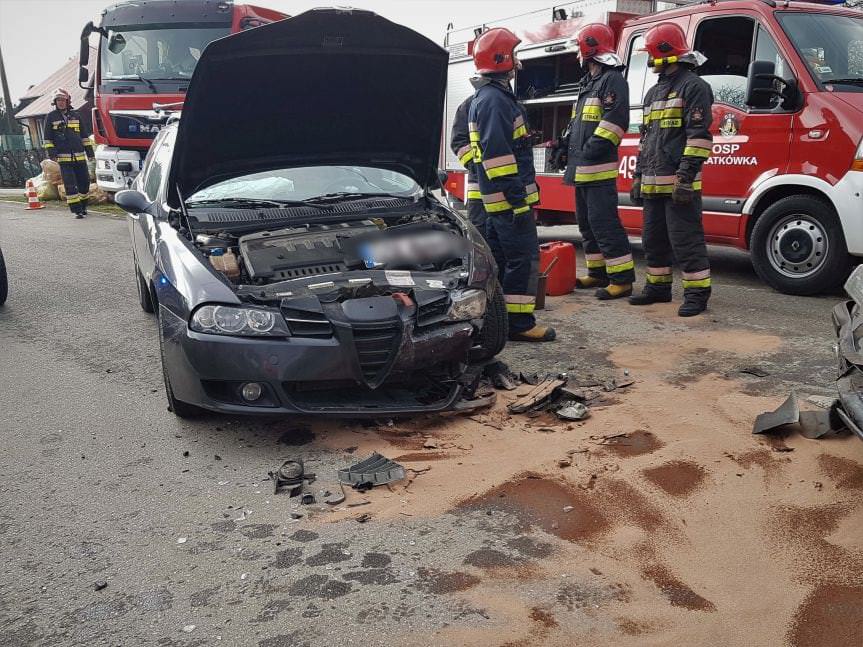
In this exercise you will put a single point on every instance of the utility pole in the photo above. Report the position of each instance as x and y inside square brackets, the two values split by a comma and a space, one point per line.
[7, 100]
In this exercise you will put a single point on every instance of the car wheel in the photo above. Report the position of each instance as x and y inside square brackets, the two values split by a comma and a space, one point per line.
[177, 407]
[144, 297]
[495, 328]
[798, 247]
[4, 280]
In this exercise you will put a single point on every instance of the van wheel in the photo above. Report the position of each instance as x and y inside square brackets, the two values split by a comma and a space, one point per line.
[495, 328]
[143, 292]
[798, 247]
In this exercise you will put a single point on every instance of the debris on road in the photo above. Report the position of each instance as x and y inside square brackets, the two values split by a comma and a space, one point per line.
[364, 517]
[375, 470]
[812, 424]
[536, 397]
[755, 371]
[188, 629]
[99, 585]
[291, 475]
[501, 376]
[181, 540]
[572, 410]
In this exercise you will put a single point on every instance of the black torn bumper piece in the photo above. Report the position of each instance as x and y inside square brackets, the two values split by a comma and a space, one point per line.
[375, 470]
[812, 424]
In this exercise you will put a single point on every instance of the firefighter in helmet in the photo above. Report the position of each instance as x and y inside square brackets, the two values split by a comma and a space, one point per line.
[460, 145]
[69, 142]
[600, 118]
[675, 143]
[503, 160]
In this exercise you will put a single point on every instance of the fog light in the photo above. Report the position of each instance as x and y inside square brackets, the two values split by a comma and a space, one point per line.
[251, 391]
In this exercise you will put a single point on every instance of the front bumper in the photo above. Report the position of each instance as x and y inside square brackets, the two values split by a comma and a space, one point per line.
[319, 375]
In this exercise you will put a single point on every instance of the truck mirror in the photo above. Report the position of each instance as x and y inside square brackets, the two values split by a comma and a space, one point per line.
[763, 86]
[132, 201]
[83, 76]
[84, 52]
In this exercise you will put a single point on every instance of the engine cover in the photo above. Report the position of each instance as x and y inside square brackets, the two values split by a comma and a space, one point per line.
[300, 251]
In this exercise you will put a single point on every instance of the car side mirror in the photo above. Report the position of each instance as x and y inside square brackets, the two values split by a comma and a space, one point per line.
[132, 201]
[763, 85]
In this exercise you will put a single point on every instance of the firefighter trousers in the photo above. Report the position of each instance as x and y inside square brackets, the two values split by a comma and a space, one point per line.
[76, 179]
[606, 247]
[674, 233]
[513, 241]
[477, 214]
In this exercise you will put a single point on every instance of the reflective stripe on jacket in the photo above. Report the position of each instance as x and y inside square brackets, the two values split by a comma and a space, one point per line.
[460, 145]
[501, 152]
[675, 134]
[600, 119]
[65, 135]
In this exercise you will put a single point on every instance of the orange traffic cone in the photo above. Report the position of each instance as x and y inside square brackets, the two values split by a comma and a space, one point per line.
[33, 197]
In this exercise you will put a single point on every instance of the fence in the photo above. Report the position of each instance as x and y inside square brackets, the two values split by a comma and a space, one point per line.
[16, 167]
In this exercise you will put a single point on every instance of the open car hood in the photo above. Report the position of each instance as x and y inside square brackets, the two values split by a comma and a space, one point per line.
[328, 87]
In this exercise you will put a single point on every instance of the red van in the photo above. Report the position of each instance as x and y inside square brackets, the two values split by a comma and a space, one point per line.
[785, 180]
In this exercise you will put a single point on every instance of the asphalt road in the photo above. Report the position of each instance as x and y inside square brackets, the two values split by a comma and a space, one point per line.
[98, 482]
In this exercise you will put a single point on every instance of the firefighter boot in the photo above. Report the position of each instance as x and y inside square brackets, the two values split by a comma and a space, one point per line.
[651, 294]
[537, 333]
[588, 282]
[694, 302]
[614, 291]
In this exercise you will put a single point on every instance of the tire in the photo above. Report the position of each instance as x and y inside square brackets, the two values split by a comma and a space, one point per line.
[495, 328]
[179, 408]
[144, 297]
[4, 280]
[798, 246]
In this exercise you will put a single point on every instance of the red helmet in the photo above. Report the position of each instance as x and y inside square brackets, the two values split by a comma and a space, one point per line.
[594, 39]
[493, 51]
[665, 42]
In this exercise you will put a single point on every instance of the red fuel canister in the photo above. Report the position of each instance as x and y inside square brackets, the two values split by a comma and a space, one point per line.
[561, 278]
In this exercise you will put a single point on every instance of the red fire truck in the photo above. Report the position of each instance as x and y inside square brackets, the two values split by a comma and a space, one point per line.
[786, 177]
[147, 51]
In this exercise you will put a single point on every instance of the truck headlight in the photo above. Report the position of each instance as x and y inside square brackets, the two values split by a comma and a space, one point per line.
[466, 304]
[857, 164]
[229, 320]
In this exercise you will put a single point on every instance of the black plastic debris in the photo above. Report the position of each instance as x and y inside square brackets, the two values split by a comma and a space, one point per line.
[812, 424]
[98, 586]
[787, 414]
[755, 371]
[375, 470]
[291, 475]
[501, 376]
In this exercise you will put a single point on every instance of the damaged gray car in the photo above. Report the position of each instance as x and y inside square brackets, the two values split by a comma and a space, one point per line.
[848, 325]
[285, 233]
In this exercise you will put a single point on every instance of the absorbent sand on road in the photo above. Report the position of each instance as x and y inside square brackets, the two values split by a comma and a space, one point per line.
[659, 520]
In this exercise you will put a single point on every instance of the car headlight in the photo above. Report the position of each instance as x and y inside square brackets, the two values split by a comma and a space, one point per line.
[229, 320]
[466, 304]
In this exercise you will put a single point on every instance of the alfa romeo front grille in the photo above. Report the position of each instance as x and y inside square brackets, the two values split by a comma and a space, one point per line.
[376, 346]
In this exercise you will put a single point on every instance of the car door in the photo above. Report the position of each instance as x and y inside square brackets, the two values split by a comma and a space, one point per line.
[749, 145]
[144, 224]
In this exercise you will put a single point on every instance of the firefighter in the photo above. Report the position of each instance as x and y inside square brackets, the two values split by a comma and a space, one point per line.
[460, 145]
[675, 142]
[503, 160]
[69, 142]
[600, 119]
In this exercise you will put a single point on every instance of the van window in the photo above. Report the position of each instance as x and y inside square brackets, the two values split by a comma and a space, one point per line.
[640, 79]
[730, 45]
[831, 46]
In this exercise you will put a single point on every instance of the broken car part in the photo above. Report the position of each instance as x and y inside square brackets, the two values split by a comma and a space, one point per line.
[812, 424]
[787, 414]
[537, 396]
[290, 475]
[375, 470]
[571, 410]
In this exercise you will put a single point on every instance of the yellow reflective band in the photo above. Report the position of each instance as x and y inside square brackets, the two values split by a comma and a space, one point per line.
[521, 131]
[532, 197]
[48, 144]
[696, 186]
[623, 267]
[574, 113]
[72, 199]
[520, 308]
[467, 158]
[596, 177]
[703, 283]
[671, 123]
[474, 135]
[607, 134]
[694, 151]
[592, 265]
[474, 195]
[659, 278]
[501, 171]
[494, 207]
[659, 188]
[520, 210]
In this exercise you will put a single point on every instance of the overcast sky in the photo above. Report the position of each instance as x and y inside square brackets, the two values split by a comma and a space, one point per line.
[38, 36]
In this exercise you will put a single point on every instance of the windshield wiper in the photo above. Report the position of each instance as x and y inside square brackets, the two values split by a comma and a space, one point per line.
[254, 203]
[848, 81]
[347, 195]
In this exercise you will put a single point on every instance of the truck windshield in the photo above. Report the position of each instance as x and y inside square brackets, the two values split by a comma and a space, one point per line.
[831, 45]
[155, 54]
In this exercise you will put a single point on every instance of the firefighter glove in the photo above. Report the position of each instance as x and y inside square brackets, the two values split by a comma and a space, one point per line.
[635, 193]
[683, 192]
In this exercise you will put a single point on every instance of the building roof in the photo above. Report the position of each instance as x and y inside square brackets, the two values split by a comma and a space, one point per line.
[40, 94]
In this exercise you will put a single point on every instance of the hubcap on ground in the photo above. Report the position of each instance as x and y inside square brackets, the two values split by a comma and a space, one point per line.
[797, 246]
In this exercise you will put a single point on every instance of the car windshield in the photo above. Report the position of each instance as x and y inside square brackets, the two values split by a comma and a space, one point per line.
[831, 45]
[308, 182]
[155, 54]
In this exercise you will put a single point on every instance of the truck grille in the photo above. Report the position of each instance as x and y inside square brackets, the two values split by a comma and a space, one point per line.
[376, 346]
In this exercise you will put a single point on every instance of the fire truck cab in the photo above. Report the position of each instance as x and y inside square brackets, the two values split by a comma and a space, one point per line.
[785, 180]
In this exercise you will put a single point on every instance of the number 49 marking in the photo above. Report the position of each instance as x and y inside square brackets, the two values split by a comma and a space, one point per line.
[627, 166]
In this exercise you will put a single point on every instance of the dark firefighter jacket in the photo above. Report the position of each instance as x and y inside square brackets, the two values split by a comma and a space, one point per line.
[675, 135]
[501, 151]
[460, 145]
[66, 137]
[600, 119]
